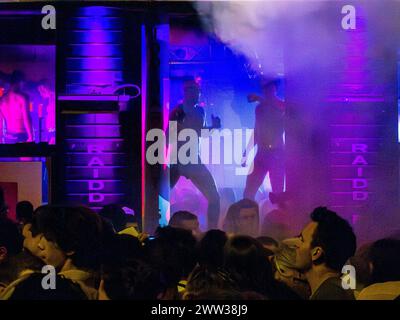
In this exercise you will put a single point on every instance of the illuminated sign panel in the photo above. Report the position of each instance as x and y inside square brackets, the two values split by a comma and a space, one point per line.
[95, 161]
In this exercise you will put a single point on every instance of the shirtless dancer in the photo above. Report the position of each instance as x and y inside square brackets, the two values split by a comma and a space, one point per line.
[268, 136]
[14, 115]
[190, 115]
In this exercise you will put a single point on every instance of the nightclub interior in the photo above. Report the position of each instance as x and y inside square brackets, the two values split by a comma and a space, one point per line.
[107, 74]
[165, 106]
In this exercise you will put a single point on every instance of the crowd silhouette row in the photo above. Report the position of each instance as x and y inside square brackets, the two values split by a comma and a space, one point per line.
[103, 256]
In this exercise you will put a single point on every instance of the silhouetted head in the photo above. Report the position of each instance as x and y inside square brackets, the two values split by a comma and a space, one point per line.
[10, 239]
[384, 260]
[115, 215]
[243, 218]
[16, 79]
[204, 281]
[211, 248]
[173, 253]
[185, 220]
[132, 280]
[24, 212]
[247, 261]
[191, 91]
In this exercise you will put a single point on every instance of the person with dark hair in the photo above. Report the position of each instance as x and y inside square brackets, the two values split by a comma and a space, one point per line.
[14, 113]
[10, 239]
[322, 249]
[173, 253]
[115, 215]
[268, 137]
[247, 261]
[32, 289]
[211, 249]
[206, 283]
[361, 266]
[24, 212]
[384, 263]
[132, 280]
[71, 240]
[243, 218]
[186, 220]
[119, 248]
[31, 239]
[70, 235]
[189, 115]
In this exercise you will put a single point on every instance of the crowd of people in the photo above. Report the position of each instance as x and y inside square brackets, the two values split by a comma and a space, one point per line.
[103, 256]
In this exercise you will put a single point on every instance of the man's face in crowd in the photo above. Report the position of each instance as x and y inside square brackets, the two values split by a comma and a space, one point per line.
[302, 244]
[248, 221]
[30, 242]
[39, 246]
[50, 253]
